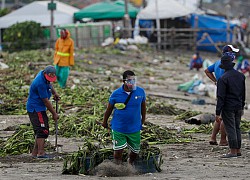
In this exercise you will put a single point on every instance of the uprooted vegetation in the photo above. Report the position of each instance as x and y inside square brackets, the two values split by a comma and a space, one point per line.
[83, 102]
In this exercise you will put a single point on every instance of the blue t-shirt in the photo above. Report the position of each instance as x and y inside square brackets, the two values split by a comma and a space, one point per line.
[195, 61]
[40, 89]
[216, 69]
[127, 120]
[243, 65]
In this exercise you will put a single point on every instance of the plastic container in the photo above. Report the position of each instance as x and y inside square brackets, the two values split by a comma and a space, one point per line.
[84, 166]
[141, 165]
[146, 166]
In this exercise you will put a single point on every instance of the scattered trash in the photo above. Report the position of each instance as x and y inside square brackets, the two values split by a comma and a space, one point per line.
[25, 87]
[201, 119]
[199, 101]
[76, 81]
[133, 48]
[108, 72]
[108, 41]
[3, 66]
[206, 63]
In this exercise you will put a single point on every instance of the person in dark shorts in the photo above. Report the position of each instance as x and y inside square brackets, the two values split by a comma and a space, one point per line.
[38, 102]
[129, 105]
[231, 95]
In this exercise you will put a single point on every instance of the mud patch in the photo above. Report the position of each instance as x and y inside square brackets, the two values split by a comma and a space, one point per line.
[109, 169]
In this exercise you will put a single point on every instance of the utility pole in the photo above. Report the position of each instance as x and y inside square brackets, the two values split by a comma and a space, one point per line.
[201, 4]
[51, 7]
[144, 3]
[158, 25]
[127, 33]
[51, 24]
[228, 10]
[3, 4]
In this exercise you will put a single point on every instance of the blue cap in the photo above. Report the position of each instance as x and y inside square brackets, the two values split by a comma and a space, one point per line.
[50, 73]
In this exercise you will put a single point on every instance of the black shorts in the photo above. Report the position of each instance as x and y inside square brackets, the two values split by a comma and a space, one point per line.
[40, 123]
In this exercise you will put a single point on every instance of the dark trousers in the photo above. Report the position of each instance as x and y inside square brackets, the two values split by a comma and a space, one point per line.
[231, 121]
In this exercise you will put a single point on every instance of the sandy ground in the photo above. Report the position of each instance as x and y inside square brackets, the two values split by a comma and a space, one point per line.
[195, 160]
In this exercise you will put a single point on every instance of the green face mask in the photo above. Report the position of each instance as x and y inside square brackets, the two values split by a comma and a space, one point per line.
[120, 106]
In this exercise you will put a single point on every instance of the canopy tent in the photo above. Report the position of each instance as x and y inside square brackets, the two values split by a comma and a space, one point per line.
[106, 10]
[214, 26]
[38, 11]
[165, 9]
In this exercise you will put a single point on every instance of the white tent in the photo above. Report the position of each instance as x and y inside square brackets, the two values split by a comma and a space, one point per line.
[38, 11]
[165, 9]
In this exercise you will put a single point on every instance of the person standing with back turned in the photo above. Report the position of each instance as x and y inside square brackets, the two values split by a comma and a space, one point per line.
[129, 104]
[231, 95]
[218, 72]
[63, 57]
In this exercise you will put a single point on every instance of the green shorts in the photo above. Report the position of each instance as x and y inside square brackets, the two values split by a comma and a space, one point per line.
[121, 141]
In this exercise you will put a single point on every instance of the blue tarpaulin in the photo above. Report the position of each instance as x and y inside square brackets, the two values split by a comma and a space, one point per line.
[147, 24]
[215, 26]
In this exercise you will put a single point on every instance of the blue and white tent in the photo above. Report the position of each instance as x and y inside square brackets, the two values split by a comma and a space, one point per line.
[214, 26]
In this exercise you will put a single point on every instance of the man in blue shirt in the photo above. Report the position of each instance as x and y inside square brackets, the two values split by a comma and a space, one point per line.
[218, 72]
[129, 105]
[38, 101]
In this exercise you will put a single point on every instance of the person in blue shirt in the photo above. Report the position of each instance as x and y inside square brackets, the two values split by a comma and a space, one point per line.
[214, 72]
[231, 96]
[38, 102]
[243, 65]
[129, 105]
[196, 62]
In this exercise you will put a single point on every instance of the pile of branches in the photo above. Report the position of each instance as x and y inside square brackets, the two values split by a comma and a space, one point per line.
[91, 155]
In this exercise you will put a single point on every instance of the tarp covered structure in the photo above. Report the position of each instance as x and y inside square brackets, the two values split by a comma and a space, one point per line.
[38, 11]
[214, 26]
[165, 9]
[106, 10]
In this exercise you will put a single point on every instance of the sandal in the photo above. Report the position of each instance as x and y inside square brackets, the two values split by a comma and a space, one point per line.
[223, 144]
[213, 143]
[229, 156]
[238, 154]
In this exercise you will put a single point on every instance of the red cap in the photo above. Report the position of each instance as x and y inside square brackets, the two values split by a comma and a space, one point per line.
[50, 70]
[50, 79]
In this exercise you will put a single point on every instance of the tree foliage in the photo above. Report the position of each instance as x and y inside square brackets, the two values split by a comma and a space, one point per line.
[23, 36]
[4, 11]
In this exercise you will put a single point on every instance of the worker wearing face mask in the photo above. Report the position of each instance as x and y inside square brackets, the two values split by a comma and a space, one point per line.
[129, 105]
